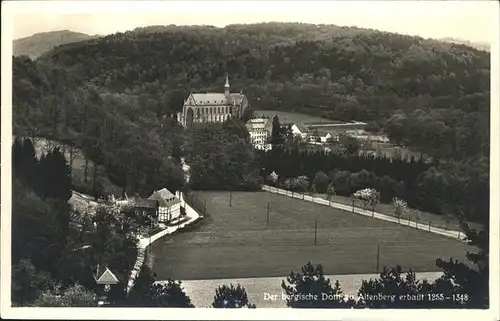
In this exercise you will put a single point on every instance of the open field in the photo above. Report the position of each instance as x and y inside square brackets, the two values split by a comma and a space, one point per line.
[235, 242]
[414, 215]
[290, 117]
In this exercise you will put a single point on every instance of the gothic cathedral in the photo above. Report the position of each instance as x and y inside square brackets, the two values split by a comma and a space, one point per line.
[212, 107]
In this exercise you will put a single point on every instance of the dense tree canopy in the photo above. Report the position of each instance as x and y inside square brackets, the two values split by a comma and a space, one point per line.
[221, 157]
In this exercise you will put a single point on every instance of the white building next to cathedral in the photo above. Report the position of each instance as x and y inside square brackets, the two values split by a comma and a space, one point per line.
[260, 130]
[212, 107]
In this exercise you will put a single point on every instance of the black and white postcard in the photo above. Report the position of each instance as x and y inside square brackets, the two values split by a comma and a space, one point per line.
[316, 160]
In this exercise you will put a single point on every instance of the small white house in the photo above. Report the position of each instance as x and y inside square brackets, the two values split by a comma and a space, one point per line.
[325, 137]
[169, 205]
[300, 130]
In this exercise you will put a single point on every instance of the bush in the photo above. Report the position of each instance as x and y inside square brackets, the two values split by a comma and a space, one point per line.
[300, 183]
[231, 297]
[400, 206]
[321, 181]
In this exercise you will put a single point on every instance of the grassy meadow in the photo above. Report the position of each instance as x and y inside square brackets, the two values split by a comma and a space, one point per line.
[237, 242]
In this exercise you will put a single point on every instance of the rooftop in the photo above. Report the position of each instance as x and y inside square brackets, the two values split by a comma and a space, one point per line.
[164, 197]
[105, 276]
[217, 99]
[302, 127]
[143, 203]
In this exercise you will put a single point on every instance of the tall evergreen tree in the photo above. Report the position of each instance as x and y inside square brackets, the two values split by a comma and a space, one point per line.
[277, 138]
[468, 285]
[385, 291]
[147, 293]
[247, 114]
[311, 289]
[24, 161]
[231, 297]
[55, 176]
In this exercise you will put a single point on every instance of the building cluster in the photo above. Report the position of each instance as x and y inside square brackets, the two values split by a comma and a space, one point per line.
[317, 134]
[200, 108]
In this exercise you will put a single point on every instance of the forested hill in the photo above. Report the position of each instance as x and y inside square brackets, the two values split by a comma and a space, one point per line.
[39, 43]
[324, 70]
[478, 45]
[430, 95]
[335, 72]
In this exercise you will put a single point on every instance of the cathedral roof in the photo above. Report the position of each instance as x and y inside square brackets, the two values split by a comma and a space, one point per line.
[210, 99]
[218, 99]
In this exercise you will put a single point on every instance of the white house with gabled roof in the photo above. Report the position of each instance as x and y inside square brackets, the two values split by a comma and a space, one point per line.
[169, 205]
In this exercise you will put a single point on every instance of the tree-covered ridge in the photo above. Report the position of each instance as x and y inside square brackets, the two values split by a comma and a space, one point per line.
[39, 43]
[334, 72]
[283, 52]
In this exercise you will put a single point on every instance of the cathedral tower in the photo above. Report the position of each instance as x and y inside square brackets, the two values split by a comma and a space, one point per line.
[226, 87]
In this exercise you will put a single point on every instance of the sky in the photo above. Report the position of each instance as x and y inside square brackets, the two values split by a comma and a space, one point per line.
[468, 20]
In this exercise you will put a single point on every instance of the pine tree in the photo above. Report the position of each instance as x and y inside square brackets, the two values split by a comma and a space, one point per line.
[310, 289]
[147, 293]
[231, 297]
[55, 176]
[469, 285]
[24, 161]
[17, 157]
[389, 288]
[30, 162]
[277, 133]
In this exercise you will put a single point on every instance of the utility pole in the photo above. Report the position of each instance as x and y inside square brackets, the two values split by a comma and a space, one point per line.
[267, 217]
[378, 256]
[316, 232]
